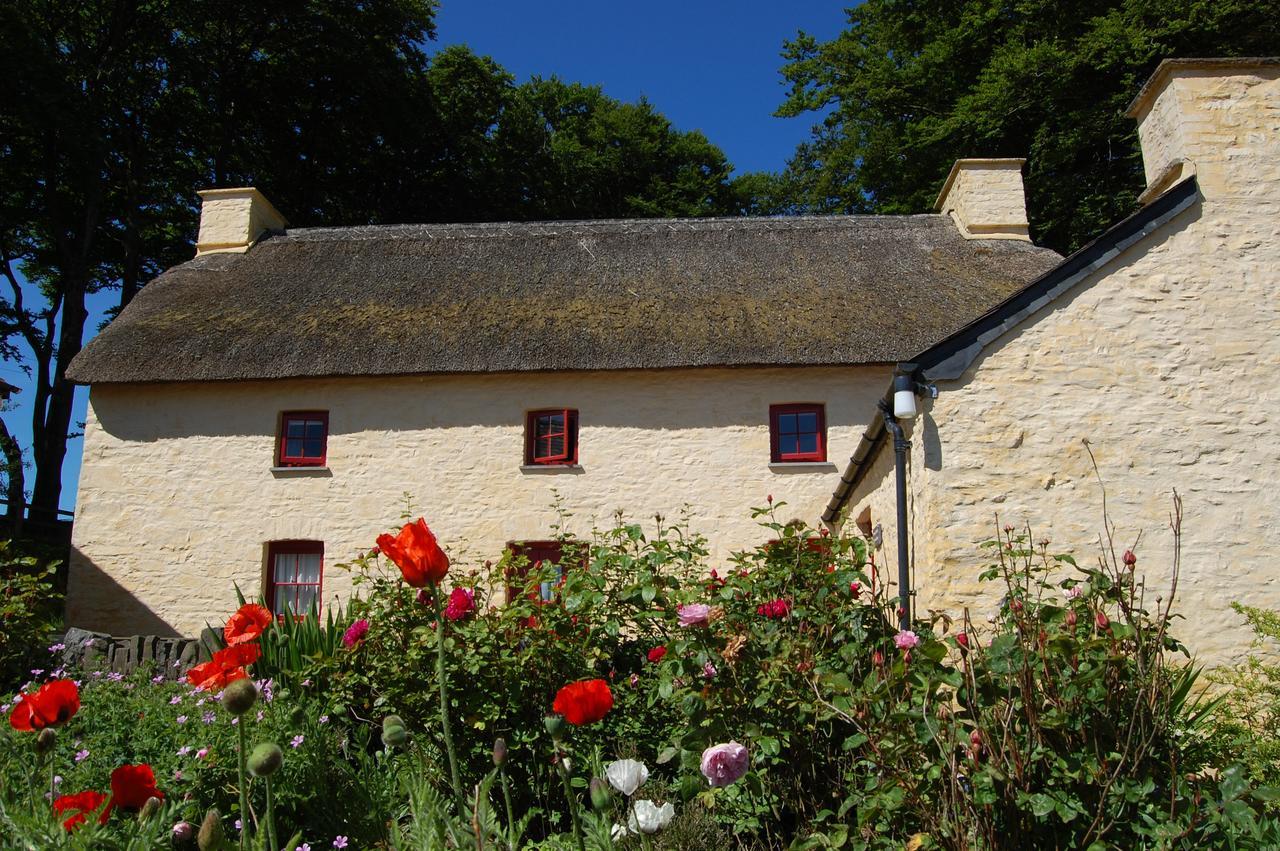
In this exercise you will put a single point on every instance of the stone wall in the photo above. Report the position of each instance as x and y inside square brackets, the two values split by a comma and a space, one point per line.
[181, 475]
[171, 658]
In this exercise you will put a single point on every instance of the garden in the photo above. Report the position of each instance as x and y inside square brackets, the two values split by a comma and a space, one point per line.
[636, 696]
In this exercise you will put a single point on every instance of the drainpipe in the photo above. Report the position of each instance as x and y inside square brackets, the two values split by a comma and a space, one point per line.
[900, 448]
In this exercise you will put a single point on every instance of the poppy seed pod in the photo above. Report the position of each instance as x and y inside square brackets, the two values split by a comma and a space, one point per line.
[392, 721]
[394, 737]
[240, 696]
[499, 752]
[210, 836]
[599, 794]
[555, 726]
[265, 760]
[45, 740]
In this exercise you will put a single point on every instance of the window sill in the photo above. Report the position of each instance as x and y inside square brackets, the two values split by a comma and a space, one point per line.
[802, 466]
[550, 469]
[318, 471]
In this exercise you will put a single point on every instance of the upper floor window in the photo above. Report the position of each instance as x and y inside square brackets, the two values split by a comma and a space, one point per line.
[798, 432]
[304, 438]
[294, 572]
[551, 437]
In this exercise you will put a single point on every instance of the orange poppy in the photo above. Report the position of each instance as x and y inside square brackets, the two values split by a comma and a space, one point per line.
[417, 554]
[226, 666]
[584, 702]
[246, 624]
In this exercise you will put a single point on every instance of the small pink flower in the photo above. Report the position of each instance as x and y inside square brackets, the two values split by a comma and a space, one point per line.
[297, 741]
[694, 614]
[1074, 592]
[81, 756]
[202, 753]
[906, 639]
[709, 670]
[355, 633]
[340, 842]
[725, 764]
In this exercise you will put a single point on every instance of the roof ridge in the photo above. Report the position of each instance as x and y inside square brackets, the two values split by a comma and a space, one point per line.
[581, 227]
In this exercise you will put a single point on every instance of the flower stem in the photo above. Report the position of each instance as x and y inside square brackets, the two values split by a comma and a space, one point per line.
[272, 841]
[573, 807]
[511, 814]
[53, 787]
[244, 792]
[444, 702]
[646, 841]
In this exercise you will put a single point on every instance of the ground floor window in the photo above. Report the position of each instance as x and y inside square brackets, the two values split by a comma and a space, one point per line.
[294, 573]
[538, 554]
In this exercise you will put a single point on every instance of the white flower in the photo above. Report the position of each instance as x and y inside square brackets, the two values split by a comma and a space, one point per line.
[648, 817]
[626, 775]
[618, 831]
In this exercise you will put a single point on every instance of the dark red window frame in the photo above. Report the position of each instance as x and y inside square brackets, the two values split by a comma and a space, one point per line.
[537, 454]
[304, 460]
[274, 587]
[535, 552]
[778, 415]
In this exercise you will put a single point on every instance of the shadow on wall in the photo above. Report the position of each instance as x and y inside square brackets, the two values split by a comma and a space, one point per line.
[97, 602]
[671, 400]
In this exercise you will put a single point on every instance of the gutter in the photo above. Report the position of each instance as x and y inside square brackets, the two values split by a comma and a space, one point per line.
[950, 357]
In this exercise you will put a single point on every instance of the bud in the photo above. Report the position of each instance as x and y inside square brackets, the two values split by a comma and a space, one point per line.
[183, 834]
[499, 751]
[975, 739]
[555, 726]
[149, 809]
[265, 760]
[877, 658]
[45, 740]
[962, 639]
[239, 696]
[1072, 620]
[769, 499]
[599, 794]
[211, 837]
[1101, 620]
[1129, 558]
[392, 721]
[394, 737]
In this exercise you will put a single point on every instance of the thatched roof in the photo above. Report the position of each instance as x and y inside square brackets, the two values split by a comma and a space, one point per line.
[408, 299]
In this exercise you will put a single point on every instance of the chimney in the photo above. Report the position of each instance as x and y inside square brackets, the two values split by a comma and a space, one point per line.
[984, 198]
[1218, 119]
[232, 220]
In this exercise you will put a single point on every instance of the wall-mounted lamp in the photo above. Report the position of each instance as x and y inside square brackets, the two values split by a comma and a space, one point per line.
[905, 391]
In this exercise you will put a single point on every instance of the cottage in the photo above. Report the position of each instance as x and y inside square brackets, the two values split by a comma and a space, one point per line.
[257, 414]
[1158, 343]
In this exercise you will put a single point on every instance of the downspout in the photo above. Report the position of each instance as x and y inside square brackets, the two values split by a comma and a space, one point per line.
[900, 448]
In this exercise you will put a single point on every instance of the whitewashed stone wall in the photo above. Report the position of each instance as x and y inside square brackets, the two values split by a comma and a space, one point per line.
[1166, 361]
[177, 498]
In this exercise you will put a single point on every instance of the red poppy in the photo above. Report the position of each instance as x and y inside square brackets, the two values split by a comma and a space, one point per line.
[51, 705]
[656, 654]
[226, 666]
[131, 786]
[416, 553]
[246, 624]
[80, 806]
[584, 702]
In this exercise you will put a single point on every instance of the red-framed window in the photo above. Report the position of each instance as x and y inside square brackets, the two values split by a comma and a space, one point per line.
[551, 436]
[798, 432]
[539, 554]
[304, 438]
[295, 570]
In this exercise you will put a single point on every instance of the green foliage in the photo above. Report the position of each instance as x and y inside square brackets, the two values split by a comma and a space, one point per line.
[1249, 728]
[909, 87]
[30, 611]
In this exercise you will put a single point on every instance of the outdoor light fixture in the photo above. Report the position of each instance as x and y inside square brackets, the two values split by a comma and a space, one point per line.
[904, 397]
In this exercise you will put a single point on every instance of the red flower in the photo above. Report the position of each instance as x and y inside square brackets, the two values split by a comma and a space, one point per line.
[584, 702]
[131, 786]
[1101, 620]
[774, 609]
[226, 666]
[962, 639]
[80, 806]
[246, 624]
[462, 602]
[51, 705]
[855, 588]
[416, 553]
[656, 654]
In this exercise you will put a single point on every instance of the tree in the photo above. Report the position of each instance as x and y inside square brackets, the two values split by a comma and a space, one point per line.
[913, 85]
[120, 110]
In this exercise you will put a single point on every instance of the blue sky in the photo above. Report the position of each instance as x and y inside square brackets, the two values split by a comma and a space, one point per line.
[709, 65]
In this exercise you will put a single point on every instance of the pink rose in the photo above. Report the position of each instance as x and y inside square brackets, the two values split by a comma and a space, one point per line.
[906, 639]
[725, 764]
[694, 614]
[462, 602]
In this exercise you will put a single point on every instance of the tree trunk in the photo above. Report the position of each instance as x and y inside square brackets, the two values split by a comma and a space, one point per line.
[16, 489]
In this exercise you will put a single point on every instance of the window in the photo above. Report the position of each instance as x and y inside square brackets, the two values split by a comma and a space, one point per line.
[294, 569]
[797, 433]
[538, 554]
[303, 438]
[551, 437]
